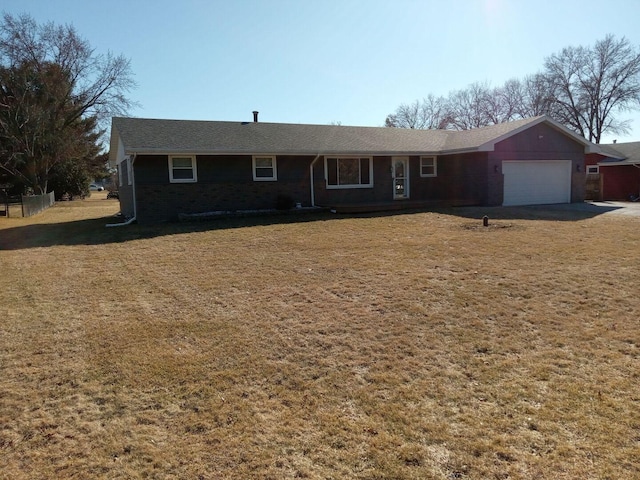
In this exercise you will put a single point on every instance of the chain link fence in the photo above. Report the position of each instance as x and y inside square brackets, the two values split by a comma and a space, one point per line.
[24, 205]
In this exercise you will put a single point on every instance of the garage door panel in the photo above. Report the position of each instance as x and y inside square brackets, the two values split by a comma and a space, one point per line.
[536, 182]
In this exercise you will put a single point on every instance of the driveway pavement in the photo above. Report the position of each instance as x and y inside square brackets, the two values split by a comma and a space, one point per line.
[617, 208]
[631, 209]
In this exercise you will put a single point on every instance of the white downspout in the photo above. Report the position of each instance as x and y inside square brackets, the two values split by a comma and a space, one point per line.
[135, 206]
[133, 187]
[313, 193]
[123, 224]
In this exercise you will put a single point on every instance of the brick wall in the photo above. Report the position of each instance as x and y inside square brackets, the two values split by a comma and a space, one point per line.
[461, 180]
[224, 183]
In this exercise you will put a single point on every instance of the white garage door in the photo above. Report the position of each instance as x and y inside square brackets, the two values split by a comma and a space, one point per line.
[537, 182]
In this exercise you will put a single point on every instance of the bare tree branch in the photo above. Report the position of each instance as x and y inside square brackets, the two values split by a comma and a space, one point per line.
[592, 85]
[55, 92]
[584, 88]
[429, 113]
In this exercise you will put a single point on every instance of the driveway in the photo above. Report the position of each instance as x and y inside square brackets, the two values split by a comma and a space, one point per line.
[631, 209]
[616, 208]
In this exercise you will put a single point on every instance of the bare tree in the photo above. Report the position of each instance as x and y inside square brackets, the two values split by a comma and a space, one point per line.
[511, 94]
[98, 83]
[499, 103]
[536, 96]
[430, 113]
[583, 88]
[478, 105]
[591, 86]
[469, 107]
[54, 93]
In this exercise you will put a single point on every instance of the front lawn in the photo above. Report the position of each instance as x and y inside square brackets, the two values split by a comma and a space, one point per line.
[410, 346]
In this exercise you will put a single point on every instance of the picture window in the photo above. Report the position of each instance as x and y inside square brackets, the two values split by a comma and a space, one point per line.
[349, 172]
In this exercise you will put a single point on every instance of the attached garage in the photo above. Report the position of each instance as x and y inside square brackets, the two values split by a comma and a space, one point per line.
[536, 182]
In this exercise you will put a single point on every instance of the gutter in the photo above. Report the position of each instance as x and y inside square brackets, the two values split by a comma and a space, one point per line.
[313, 194]
[135, 205]
[617, 164]
[367, 153]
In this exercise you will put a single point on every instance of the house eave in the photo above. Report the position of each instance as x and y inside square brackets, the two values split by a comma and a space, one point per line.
[370, 153]
[606, 153]
[619, 164]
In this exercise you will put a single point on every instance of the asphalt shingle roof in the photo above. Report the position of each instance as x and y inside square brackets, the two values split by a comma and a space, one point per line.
[629, 151]
[140, 135]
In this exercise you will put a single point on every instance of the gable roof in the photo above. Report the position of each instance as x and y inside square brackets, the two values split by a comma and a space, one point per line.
[140, 135]
[620, 154]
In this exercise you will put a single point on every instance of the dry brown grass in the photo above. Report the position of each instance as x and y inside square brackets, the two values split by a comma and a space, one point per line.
[413, 346]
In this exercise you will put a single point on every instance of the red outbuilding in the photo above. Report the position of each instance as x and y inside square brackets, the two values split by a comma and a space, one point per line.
[614, 174]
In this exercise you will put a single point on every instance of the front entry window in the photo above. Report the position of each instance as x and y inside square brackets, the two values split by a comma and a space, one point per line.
[400, 177]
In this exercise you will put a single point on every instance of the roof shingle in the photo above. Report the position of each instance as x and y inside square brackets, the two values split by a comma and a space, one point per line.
[139, 135]
[628, 152]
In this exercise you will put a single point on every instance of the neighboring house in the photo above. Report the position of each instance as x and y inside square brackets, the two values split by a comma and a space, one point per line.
[614, 173]
[172, 167]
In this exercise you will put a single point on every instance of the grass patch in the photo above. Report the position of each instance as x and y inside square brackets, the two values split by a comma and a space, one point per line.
[406, 346]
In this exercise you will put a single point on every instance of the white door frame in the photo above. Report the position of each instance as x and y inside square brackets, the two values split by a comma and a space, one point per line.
[400, 182]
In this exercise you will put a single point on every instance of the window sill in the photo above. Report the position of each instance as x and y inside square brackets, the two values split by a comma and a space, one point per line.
[347, 187]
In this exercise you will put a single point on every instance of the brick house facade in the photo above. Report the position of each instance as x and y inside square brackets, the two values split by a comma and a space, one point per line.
[168, 168]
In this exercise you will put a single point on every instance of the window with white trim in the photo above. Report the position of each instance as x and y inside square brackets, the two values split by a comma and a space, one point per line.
[593, 169]
[264, 168]
[182, 169]
[428, 167]
[348, 172]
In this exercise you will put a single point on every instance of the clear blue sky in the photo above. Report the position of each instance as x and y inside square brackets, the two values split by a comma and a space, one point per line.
[322, 61]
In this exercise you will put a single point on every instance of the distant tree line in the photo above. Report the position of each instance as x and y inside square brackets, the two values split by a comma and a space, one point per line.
[56, 95]
[583, 88]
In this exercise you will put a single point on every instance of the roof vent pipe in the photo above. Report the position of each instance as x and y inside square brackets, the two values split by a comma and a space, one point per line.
[255, 116]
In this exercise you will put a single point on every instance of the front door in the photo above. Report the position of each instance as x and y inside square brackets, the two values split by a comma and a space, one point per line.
[400, 171]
